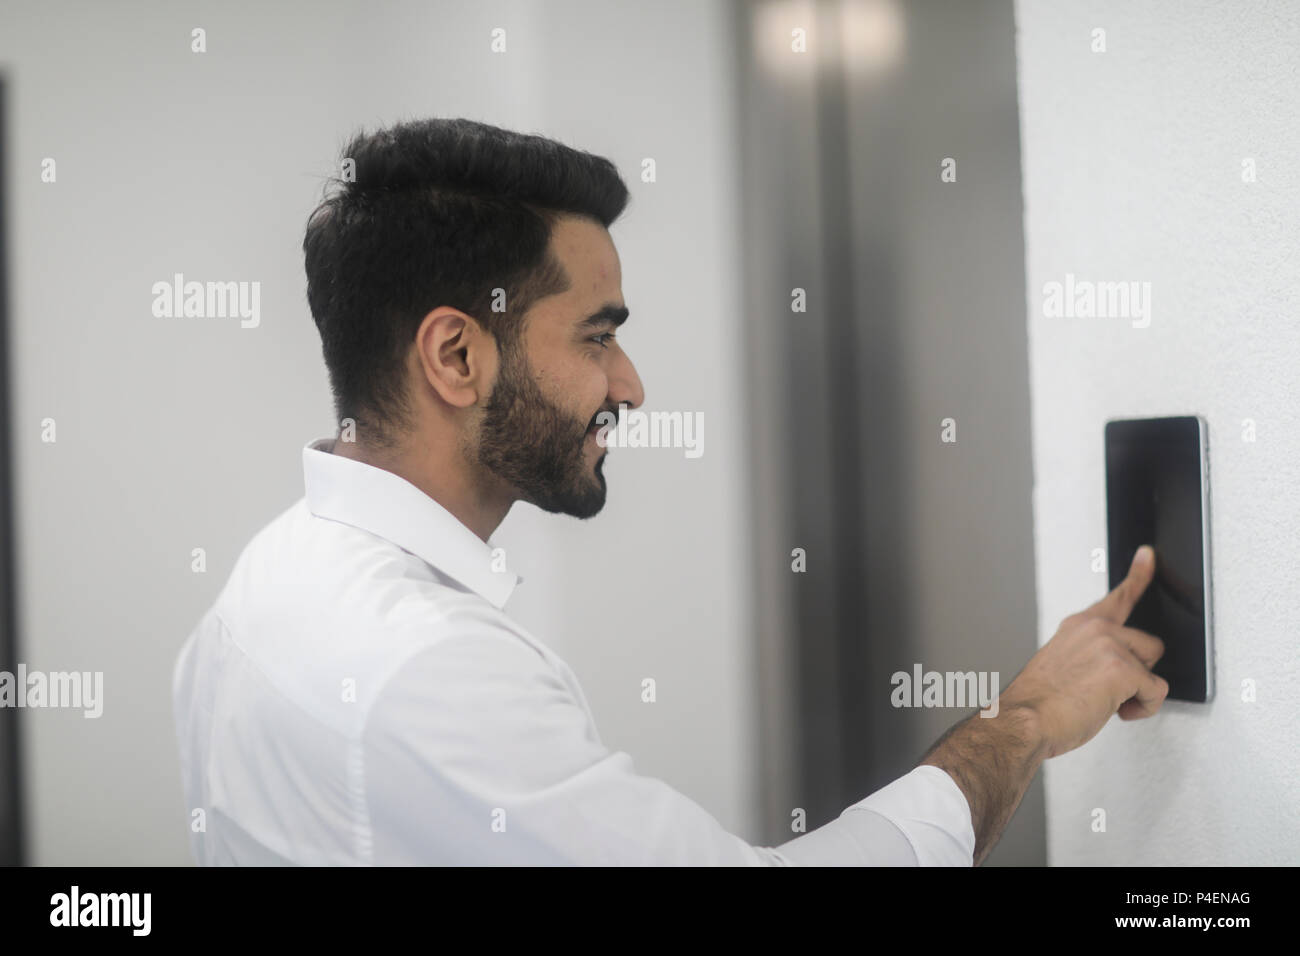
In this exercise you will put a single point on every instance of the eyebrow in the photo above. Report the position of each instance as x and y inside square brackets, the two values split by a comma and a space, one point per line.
[611, 314]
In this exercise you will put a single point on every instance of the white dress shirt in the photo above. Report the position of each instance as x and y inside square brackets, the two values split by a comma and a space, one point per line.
[356, 695]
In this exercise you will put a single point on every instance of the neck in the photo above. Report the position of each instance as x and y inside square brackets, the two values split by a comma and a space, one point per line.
[440, 471]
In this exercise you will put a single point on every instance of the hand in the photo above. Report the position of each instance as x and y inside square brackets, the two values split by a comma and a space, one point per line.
[1092, 668]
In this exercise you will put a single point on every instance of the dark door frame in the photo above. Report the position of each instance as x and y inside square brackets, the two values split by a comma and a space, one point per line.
[11, 843]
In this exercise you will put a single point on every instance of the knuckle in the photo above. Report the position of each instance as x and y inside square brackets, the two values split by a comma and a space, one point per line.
[1113, 658]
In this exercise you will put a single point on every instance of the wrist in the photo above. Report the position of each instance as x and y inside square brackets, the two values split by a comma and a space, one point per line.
[1025, 723]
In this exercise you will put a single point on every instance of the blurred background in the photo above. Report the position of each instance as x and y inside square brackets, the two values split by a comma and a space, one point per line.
[918, 169]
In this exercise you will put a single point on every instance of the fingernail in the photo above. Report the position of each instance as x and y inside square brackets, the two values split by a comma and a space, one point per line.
[1145, 555]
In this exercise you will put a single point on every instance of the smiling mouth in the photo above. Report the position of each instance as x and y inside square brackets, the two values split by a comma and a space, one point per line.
[599, 423]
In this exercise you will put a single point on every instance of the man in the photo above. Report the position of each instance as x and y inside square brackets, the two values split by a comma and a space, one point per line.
[356, 695]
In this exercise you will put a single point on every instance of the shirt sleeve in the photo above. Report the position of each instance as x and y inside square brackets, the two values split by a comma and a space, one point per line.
[921, 819]
[477, 752]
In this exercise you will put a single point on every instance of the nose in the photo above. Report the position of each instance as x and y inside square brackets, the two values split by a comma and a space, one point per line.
[624, 384]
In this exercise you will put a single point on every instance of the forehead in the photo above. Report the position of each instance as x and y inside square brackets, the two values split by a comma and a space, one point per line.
[587, 252]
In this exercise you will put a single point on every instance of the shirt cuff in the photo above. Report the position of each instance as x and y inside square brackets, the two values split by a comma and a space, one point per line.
[932, 812]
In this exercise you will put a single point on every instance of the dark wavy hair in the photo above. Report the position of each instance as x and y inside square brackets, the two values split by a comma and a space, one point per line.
[439, 212]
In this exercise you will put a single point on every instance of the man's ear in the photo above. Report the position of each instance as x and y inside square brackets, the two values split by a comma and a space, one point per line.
[457, 356]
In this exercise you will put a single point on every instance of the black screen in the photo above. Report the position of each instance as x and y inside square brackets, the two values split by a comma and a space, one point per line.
[1153, 496]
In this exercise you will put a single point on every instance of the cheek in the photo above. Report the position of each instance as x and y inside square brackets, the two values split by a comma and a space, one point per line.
[584, 391]
[595, 395]
[578, 384]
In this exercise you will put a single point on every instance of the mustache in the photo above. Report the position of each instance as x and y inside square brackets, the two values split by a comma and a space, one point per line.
[596, 419]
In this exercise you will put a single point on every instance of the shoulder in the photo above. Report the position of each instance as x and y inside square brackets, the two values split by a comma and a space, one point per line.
[483, 697]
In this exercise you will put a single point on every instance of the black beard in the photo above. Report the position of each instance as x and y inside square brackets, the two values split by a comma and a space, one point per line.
[537, 447]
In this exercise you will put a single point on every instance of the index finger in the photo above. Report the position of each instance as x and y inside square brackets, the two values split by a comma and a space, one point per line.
[1119, 603]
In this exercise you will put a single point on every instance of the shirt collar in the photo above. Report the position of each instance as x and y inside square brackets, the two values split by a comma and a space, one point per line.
[385, 504]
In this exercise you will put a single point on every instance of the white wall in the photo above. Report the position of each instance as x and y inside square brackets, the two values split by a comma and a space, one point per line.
[176, 434]
[1133, 171]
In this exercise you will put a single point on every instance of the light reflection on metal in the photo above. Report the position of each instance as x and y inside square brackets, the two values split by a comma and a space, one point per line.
[868, 37]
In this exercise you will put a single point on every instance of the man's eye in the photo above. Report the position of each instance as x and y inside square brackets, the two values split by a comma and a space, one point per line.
[602, 339]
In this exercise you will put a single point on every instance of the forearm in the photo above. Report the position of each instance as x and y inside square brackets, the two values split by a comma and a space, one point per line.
[992, 760]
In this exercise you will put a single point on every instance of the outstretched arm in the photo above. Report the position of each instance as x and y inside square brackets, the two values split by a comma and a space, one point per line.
[1093, 668]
